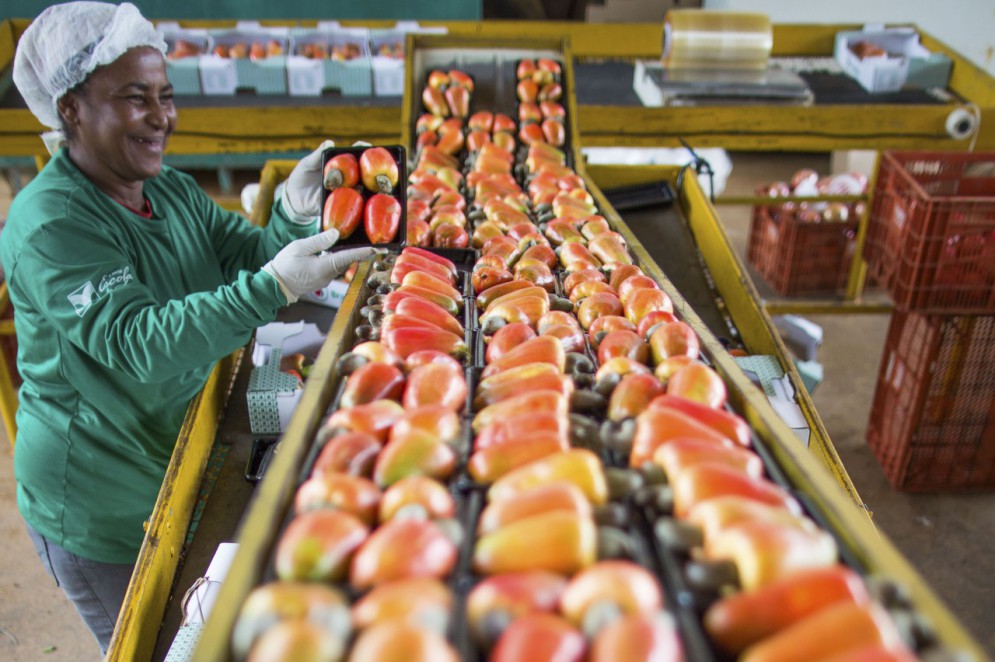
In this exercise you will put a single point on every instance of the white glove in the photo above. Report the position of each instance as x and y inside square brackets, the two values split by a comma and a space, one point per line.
[301, 197]
[302, 267]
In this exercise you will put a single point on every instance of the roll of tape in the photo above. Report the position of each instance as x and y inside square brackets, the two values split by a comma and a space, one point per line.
[961, 123]
[701, 39]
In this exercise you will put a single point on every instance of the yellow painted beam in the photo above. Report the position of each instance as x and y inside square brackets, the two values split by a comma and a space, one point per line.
[857, 277]
[8, 404]
[8, 394]
[7, 42]
[275, 493]
[272, 174]
[771, 128]
[141, 614]
[277, 129]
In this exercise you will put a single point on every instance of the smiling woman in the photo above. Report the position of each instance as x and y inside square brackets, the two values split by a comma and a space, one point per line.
[118, 123]
[128, 284]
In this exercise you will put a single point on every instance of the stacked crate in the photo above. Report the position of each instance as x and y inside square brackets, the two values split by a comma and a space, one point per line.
[805, 248]
[931, 244]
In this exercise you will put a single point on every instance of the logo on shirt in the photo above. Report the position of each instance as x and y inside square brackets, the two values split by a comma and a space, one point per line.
[115, 278]
[83, 297]
[86, 294]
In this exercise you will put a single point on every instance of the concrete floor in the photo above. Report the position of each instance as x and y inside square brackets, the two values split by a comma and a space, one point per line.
[946, 537]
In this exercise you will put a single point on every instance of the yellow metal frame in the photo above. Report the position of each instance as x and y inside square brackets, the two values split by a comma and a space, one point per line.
[141, 614]
[268, 129]
[8, 394]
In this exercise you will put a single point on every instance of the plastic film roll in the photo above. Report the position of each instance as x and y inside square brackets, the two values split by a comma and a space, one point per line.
[701, 39]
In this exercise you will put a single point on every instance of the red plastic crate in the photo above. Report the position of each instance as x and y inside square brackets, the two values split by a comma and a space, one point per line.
[931, 235]
[932, 424]
[798, 256]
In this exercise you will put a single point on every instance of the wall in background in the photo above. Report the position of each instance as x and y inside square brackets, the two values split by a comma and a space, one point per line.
[267, 9]
[966, 26]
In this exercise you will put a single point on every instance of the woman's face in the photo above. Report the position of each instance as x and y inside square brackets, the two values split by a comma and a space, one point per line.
[122, 119]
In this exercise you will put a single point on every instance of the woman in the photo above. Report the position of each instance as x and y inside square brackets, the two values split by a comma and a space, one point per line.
[128, 283]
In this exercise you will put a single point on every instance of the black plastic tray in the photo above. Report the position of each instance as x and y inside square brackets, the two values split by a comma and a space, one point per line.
[359, 236]
[640, 196]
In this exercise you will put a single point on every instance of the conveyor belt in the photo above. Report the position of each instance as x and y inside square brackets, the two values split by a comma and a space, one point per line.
[609, 83]
[664, 233]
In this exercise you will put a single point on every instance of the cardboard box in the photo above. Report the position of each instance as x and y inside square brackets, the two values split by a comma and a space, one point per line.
[272, 395]
[267, 75]
[330, 296]
[184, 71]
[907, 61]
[311, 76]
[218, 76]
[387, 51]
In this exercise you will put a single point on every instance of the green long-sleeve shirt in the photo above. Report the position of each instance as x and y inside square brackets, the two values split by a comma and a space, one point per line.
[120, 320]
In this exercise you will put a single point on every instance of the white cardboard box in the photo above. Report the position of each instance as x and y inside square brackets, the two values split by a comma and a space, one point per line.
[265, 76]
[184, 73]
[388, 71]
[907, 62]
[307, 77]
[218, 75]
[272, 395]
[330, 296]
[288, 337]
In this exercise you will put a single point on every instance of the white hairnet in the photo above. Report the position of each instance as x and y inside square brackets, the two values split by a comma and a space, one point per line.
[67, 42]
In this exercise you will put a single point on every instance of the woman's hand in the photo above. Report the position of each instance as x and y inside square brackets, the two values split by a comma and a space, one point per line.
[302, 266]
[301, 196]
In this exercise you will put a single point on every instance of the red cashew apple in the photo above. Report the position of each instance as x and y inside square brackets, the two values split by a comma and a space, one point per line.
[552, 496]
[422, 601]
[495, 601]
[638, 637]
[628, 586]
[540, 636]
[371, 382]
[280, 601]
[375, 418]
[342, 170]
[403, 549]
[427, 494]
[343, 211]
[356, 495]
[378, 170]
[319, 545]
[382, 218]
[398, 639]
[350, 453]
